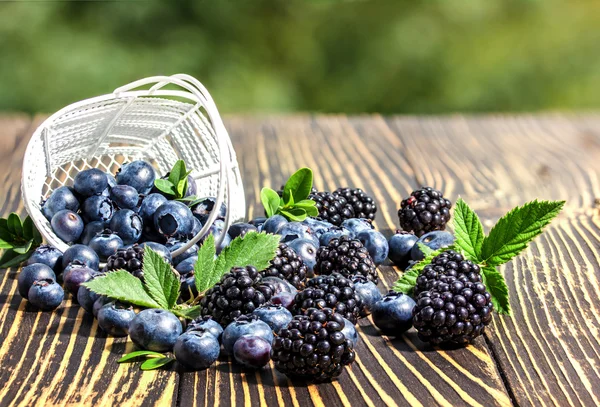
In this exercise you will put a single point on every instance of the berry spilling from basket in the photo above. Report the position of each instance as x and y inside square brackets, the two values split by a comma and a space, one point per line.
[290, 287]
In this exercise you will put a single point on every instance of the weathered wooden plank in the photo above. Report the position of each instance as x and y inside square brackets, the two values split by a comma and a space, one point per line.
[389, 371]
[61, 357]
[548, 350]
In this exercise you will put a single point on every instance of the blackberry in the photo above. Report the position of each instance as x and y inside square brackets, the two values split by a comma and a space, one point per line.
[363, 205]
[313, 346]
[333, 208]
[130, 259]
[238, 293]
[287, 266]
[335, 292]
[346, 256]
[447, 267]
[424, 210]
[453, 305]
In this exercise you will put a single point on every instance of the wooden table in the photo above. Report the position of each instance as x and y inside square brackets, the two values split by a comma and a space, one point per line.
[548, 353]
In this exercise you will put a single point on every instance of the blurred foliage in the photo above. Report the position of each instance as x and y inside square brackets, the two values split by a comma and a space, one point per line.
[332, 56]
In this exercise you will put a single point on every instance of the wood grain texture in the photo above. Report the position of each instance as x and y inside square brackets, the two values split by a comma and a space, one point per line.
[546, 354]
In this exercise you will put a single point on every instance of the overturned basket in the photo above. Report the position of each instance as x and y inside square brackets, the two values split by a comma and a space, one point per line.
[158, 125]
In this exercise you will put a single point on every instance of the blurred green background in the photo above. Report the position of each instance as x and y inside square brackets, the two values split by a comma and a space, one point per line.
[329, 56]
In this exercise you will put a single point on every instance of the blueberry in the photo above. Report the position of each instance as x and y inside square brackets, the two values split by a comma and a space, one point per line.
[434, 240]
[258, 221]
[97, 208]
[224, 243]
[401, 245]
[307, 251]
[82, 253]
[67, 225]
[279, 286]
[240, 229]
[31, 273]
[90, 182]
[61, 198]
[112, 182]
[155, 329]
[284, 299]
[128, 225]
[124, 196]
[188, 287]
[349, 332]
[208, 324]
[204, 208]
[114, 318]
[393, 314]
[149, 205]
[274, 223]
[334, 233]
[48, 255]
[75, 277]
[197, 349]
[376, 244]
[105, 244]
[138, 174]
[173, 218]
[46, 294]
[100, 302]
[357, 225]
[317, 227]
[160, 249]
[276, 316]
[174, 244]
[245, 325]
[187, 266]
[296, 230]
[86, 298]
[91, 230]
[196, 227]
[252, 351]
[368, 292]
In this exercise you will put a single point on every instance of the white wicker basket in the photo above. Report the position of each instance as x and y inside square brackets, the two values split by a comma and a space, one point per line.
[157, 125]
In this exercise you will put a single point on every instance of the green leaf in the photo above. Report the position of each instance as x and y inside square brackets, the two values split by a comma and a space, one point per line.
[5, 234]
[270, 201]
[165, 186]
[188, 313]
[294, 214]
[312, 211]
[516, 229]
[426, 250]
[407, 282]
[28, 228]
[121, 285]
[24, 248]
[37, 237]
[468, 231]
[14, 225]
[155, 363]
[5, 245]
[190, 198]
[159, 279]
[182, 187]
[290, 201]
[299, 184]
[205, 265]
[254, 249]
[140, 353]
[178, 172]
[496, 286]
[10, 258]
[305, 203]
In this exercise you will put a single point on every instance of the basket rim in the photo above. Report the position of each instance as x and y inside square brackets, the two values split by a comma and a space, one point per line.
[134, 94]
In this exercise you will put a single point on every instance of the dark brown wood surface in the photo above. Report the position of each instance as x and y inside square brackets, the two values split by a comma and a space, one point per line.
[546, 354]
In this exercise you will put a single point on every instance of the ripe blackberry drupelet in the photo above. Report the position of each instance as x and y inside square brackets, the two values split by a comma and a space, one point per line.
[346, 256]
[363, 205]
[238, 293]
[130, 259]
[453, 307]
[424, 210]
[332, 207]
[287, 266]
[335, 292]
[313, 346]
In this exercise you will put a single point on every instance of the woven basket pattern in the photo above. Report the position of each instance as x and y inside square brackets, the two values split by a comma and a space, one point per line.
[159, 126]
